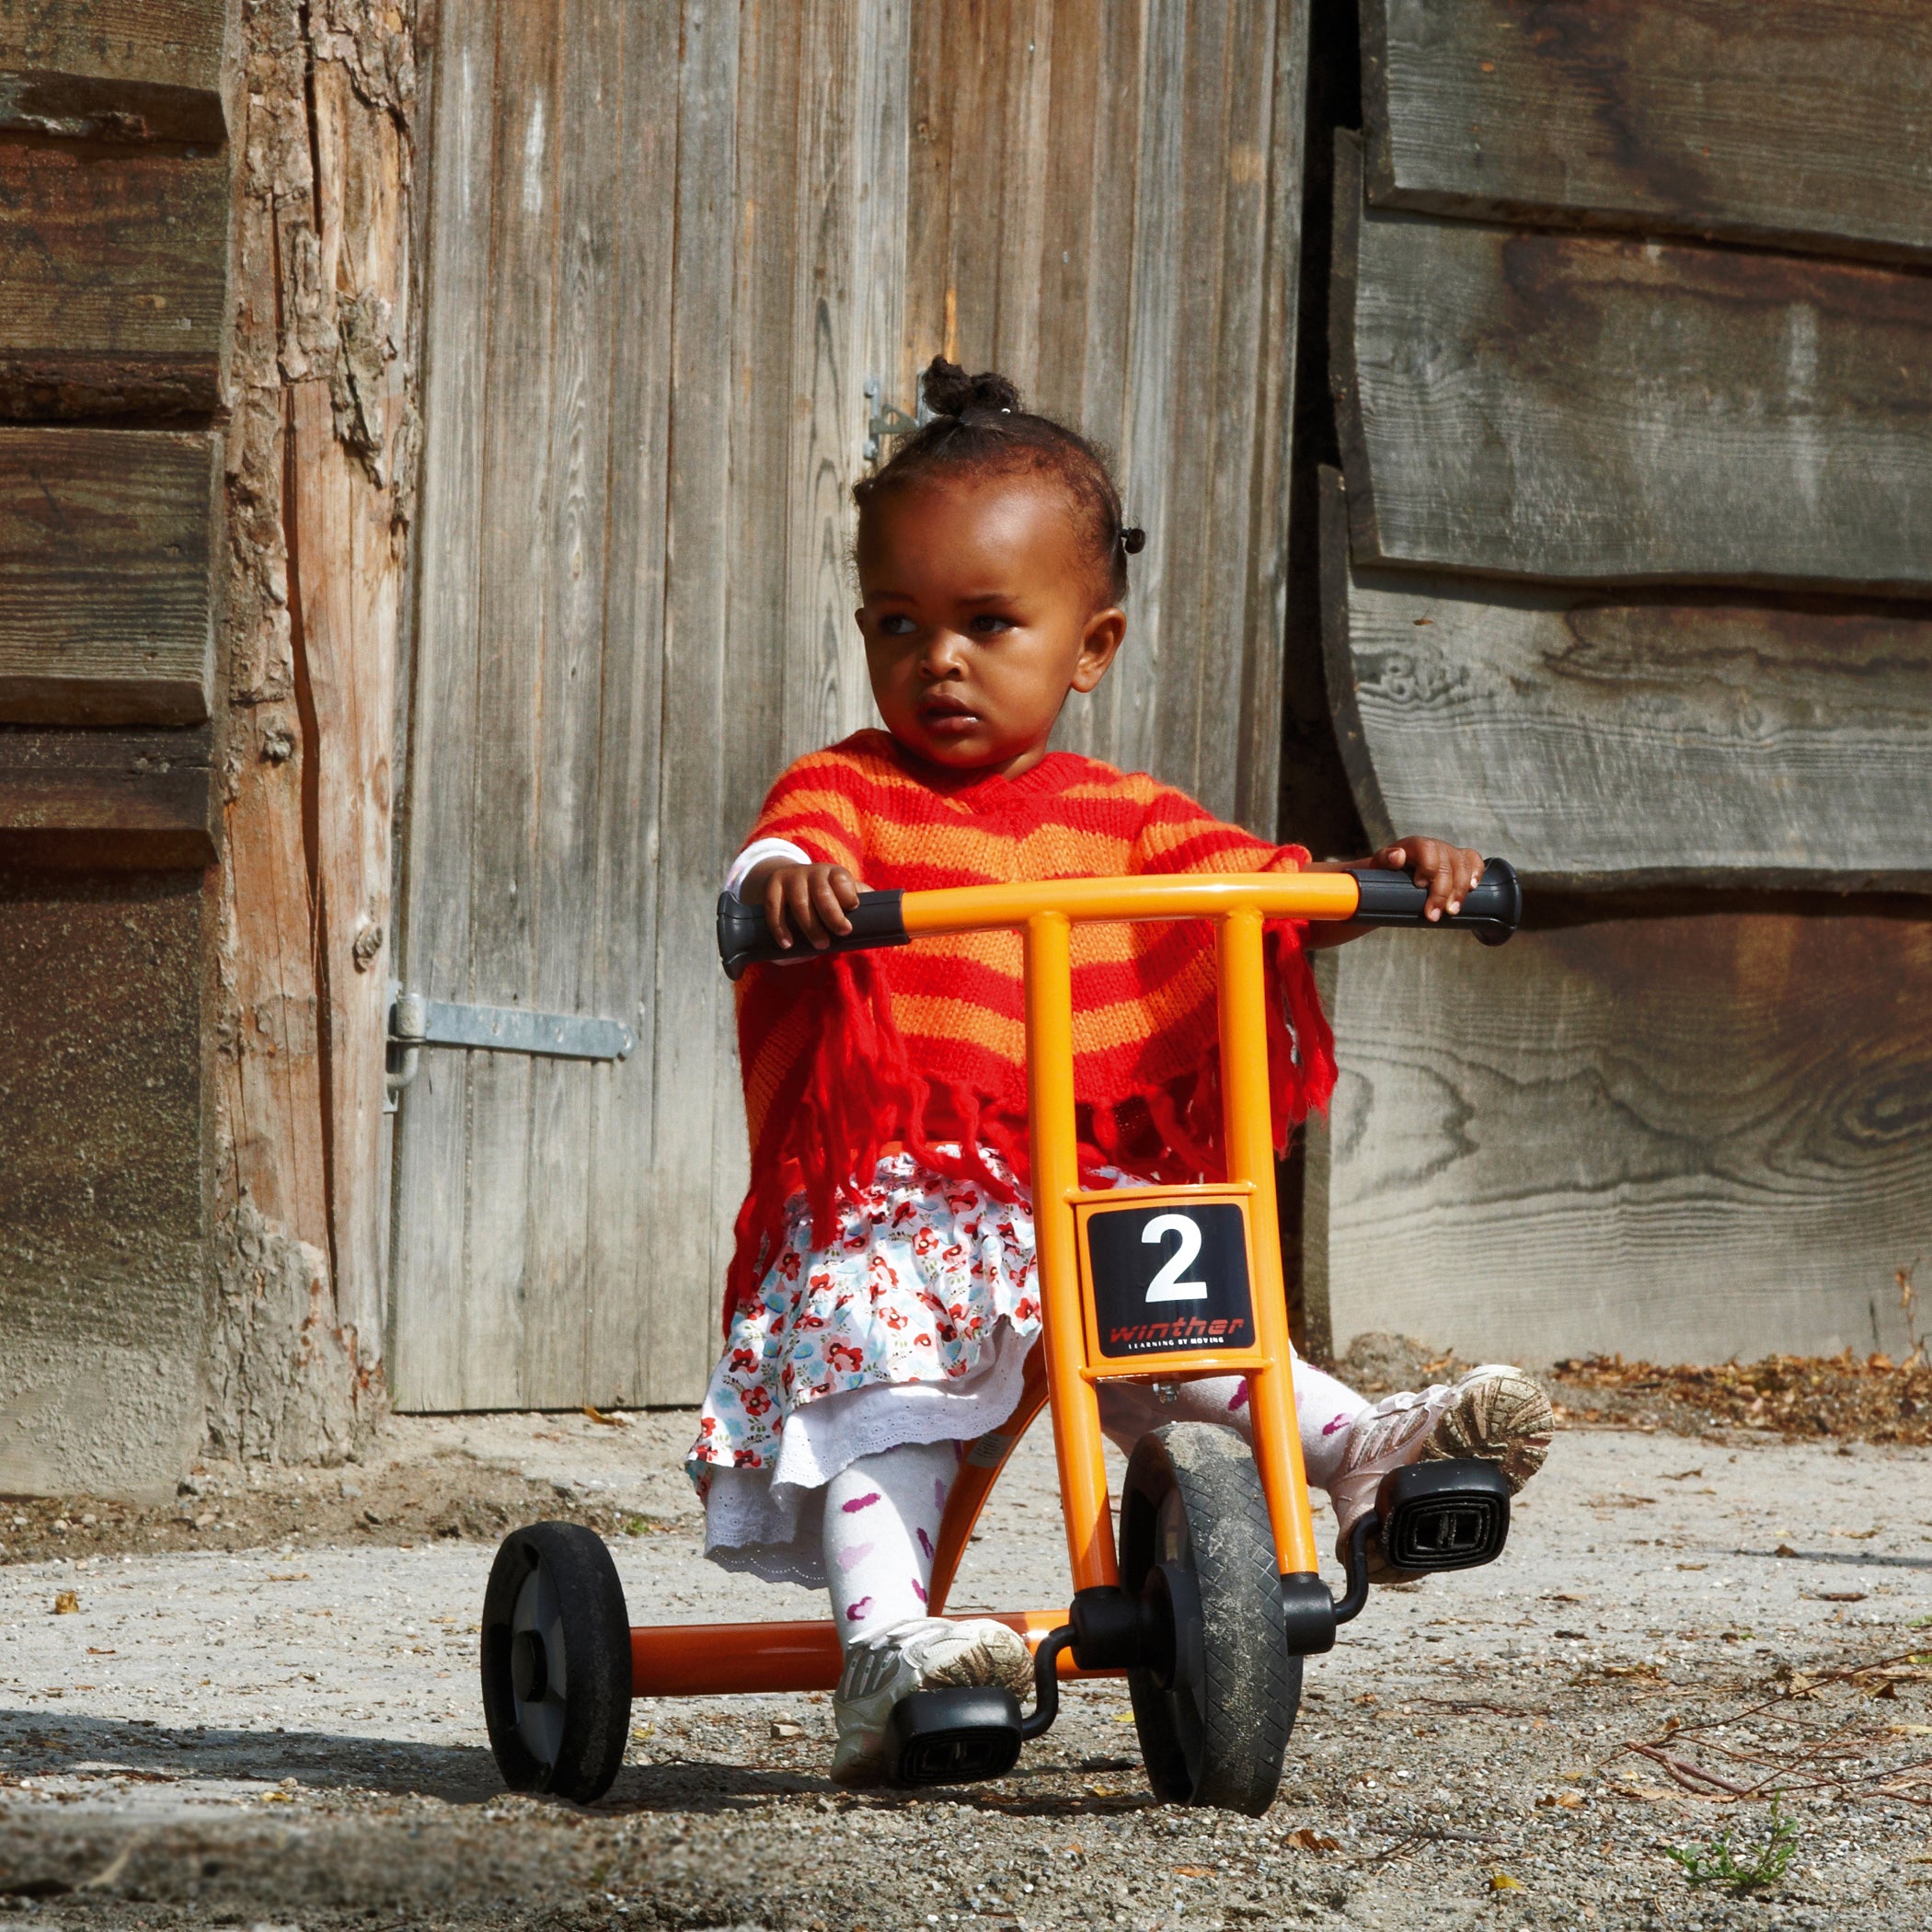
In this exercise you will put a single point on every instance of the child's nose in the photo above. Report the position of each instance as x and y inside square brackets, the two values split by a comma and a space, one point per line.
[945, 654]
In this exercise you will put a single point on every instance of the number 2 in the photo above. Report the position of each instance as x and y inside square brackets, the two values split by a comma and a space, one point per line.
[1167, 1285]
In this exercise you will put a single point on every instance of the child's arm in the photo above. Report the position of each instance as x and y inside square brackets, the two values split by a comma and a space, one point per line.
[1447, 870]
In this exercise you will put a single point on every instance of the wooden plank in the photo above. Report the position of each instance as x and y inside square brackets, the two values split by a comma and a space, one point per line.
[827, 692]
[559, 1287]
[153, 781]
[1086, 307]
[1681, 1138]
[105, 539]
[1791, 122]
[1547, 405]
[696, 1129]
[430, 1259]
[347, 557]
[174, 42]
[1147, 423]
[113, 70]
[626, 1275]
[113, 271]
[272, 1077]
[513, 569]
[931, 307]
[1597, 740]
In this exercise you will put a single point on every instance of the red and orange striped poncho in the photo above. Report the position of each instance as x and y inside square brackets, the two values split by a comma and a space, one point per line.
[848, 1056]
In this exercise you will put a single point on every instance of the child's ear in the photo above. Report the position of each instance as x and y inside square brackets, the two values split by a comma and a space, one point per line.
[1099, 643]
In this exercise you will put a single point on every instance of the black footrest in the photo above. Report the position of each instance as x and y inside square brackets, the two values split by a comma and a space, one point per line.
[952, 1737]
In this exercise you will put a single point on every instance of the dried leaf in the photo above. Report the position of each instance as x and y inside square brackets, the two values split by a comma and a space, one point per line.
[1193, 1871]
[1306, 1838]
[1502, 1881]
[66, 1602]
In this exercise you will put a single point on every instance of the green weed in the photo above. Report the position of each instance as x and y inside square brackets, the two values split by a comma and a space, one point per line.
[1717, 1862]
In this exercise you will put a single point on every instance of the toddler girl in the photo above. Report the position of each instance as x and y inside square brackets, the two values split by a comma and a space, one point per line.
[881, 1299]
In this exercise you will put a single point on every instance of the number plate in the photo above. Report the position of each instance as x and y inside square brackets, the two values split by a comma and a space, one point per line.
[1168, 1277]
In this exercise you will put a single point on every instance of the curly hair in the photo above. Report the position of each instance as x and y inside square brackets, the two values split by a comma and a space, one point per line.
[976, 424]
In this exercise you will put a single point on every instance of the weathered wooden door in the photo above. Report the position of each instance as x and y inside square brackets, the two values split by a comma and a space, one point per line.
[667, 250]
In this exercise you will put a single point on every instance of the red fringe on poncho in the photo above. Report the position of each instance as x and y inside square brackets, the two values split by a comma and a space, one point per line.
[846, 1057]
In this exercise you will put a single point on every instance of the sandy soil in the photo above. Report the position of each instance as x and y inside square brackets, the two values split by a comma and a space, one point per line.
[271, 1719]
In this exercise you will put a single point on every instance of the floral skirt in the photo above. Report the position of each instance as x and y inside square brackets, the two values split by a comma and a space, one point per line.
[912, 1326]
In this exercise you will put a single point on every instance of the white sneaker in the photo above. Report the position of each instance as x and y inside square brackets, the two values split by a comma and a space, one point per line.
[1495, 1412]
[925, 1653]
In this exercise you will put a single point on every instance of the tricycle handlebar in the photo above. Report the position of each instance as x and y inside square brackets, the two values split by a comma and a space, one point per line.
[1493, 910]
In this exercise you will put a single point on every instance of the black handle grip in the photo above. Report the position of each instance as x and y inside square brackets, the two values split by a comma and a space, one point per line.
[743, 937]
[1492, 909]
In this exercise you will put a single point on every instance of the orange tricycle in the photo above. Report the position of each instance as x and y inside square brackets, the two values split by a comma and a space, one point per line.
[1212, 1595]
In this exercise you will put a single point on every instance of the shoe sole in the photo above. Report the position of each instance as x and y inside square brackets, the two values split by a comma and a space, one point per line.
[1505, 1420]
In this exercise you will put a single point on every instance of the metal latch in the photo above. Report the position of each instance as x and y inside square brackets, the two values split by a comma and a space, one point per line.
[416, 1022]
[884, 419]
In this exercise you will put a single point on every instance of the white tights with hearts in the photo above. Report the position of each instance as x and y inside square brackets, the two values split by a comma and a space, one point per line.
[881, 1521]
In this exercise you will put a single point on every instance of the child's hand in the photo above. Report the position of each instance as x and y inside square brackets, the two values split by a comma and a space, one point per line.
[810, 899]
[1447, 870]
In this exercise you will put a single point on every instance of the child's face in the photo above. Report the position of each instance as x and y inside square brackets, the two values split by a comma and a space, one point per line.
[979, 617]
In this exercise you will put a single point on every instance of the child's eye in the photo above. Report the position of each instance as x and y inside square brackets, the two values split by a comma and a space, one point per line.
[990, 624]
[896, 624]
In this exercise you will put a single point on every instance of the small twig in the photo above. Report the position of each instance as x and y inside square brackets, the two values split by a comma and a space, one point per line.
[1687, 1773]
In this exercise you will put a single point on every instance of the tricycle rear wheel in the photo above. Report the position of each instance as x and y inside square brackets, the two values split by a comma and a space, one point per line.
[1194, 1528]
[556, 1663]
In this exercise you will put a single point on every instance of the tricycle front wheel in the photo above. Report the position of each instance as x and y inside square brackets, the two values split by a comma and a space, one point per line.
[1195, 1530]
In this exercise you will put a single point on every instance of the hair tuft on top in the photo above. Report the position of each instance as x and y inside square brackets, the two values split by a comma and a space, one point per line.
[950, 391]
[978, 426]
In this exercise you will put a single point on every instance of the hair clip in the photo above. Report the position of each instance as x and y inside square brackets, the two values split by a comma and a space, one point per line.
[1133, 539]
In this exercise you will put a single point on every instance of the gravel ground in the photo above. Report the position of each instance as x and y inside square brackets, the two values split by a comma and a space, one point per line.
[282, 1729]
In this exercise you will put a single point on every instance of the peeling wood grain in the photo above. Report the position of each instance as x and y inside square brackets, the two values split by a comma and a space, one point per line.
[1611, 410]
[317, 489]
[1796, 122]
[1681, 1138]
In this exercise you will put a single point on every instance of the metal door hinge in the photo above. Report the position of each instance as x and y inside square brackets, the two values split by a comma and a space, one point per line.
[884, 419]
[416, 1022]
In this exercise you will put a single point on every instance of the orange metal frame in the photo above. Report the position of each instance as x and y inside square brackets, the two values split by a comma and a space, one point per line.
[686, 1660]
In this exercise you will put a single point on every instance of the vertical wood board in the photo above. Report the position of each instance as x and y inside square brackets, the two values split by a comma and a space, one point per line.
[796, 199]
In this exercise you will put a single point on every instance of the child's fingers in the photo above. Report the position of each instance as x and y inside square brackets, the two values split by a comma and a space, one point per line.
[775, 911]
[846, 886]
[803, 913]
[825, 898]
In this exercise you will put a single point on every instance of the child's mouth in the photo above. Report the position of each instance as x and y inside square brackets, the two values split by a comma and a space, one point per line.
[948, 719]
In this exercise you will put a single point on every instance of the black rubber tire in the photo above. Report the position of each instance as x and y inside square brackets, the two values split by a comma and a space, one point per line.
[555, 1587]
[1194, 1526]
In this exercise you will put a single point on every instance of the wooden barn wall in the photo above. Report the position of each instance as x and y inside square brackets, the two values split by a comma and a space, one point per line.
[203, 479]
[1625, 575]
[114, 172]
[666, 250]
